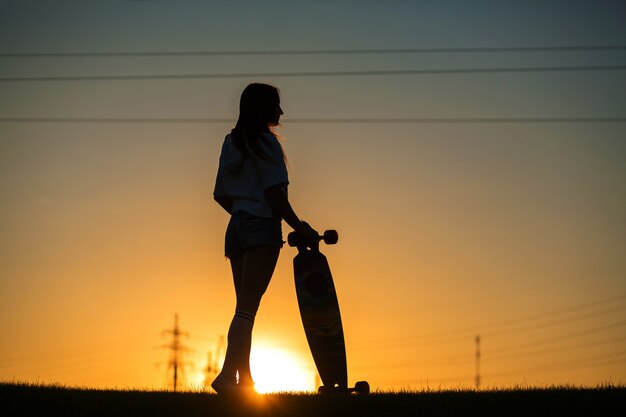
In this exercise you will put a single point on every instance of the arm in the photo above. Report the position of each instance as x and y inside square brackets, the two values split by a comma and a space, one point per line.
[281, 206]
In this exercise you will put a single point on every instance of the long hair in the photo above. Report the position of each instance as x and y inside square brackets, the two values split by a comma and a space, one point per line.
[257, 115]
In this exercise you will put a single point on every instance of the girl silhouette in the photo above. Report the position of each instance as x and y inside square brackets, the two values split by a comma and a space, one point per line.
[251, 185]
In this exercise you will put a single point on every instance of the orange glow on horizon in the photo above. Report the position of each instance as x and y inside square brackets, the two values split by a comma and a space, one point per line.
[279, 370]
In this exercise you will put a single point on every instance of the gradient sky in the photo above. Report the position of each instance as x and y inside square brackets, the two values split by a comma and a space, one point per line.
[514, 231]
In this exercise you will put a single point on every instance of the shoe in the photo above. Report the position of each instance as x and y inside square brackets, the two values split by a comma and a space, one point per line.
[222, 385]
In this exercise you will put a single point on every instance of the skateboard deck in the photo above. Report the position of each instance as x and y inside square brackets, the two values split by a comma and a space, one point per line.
[321, 318]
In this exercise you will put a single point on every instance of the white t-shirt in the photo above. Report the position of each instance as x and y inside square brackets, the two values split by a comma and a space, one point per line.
[245, 178]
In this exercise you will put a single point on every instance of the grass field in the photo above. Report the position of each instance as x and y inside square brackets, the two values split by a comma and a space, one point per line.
[45, 401]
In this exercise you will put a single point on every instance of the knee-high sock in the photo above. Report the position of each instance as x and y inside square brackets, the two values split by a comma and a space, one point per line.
[245, 375]
[239, 342]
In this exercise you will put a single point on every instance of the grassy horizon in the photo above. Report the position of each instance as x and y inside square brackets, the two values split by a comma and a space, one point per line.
[28, 399]
[191, 389]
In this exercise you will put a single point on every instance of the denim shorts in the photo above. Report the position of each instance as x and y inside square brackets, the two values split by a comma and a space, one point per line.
[245, 230]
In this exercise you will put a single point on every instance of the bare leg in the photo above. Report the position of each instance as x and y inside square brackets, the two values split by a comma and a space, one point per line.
[256, 268]
[228, 371]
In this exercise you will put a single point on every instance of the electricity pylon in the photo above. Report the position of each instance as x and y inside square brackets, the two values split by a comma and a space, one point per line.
[477, 340]
[176, 362]
[213, 364]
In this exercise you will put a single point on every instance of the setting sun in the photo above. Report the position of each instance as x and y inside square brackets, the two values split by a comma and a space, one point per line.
[277, 370]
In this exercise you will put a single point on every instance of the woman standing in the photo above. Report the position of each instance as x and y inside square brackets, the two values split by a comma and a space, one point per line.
[251, 185]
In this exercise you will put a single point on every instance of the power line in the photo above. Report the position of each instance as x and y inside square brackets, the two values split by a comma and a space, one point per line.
[70, 352]
[591, 362]
[566, 348]
[78, 364]
[571, 364]
[581, 363]
[115, 120]
[454, 360]
[552, 322]
[435, 71]
[547, 318]
[544, 322]
[552, 340]
[577, 308]
[416, 120]
[460, 120]
[313, 52]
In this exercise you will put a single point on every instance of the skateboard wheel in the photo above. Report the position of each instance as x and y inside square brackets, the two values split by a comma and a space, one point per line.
[362, 387]
[292, 239]
[331, 237]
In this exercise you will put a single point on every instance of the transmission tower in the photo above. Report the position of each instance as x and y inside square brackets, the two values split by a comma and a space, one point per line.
[176, 362]
[214, 360]
[477, 361]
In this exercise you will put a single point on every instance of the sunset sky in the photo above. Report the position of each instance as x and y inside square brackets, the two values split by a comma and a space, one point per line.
[468, 203]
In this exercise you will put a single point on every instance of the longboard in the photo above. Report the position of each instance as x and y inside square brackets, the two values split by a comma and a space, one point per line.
[321, 317]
